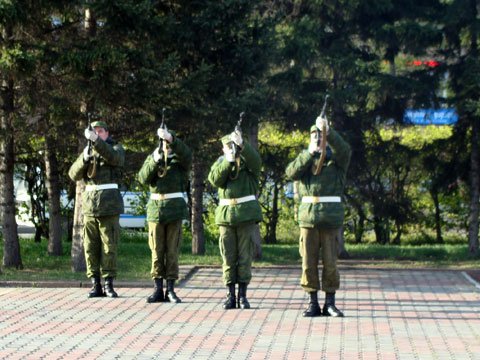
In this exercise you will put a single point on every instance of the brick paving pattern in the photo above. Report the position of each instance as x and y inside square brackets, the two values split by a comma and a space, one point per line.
[390, 314]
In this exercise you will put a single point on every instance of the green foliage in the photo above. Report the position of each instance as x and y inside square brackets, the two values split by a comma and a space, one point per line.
[421, 255]
[416, 137]
[208, 61]
[277, 148]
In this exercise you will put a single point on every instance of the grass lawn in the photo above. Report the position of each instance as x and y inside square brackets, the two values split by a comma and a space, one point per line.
[134, 258]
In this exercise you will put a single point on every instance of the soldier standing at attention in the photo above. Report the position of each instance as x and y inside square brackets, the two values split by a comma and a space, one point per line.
[236, 174]
[166, 171]
[101, 170]
[321, 213]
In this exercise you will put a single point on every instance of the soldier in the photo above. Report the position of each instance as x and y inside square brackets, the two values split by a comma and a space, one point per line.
[321, 213]
[237, 180]
[102, 204]
[166, 171]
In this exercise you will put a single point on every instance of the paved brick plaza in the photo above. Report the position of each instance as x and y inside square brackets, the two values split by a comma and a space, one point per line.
[390, 314]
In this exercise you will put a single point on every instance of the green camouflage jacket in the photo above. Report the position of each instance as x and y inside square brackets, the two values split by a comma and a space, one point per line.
[246, 184]
[330, 182]
[110, 163]
[176, 180]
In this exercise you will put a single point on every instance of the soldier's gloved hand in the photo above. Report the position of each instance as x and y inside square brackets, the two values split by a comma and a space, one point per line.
[157, 155]
[319, 123]
[229, 155]
[90, 135]
[313, 147]
[164, 134]
[86, 155]
[236, 137]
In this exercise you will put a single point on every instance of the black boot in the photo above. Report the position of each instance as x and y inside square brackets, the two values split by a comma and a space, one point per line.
[313, 307]
[157, 295]
[242, 296]
[170, 295]
[109, 287]
[231, 299]
[96, 290]
[329, 308]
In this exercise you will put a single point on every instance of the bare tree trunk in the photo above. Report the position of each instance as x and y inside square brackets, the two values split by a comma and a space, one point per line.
[342, 252]
[474, 193]
[198, 186]
[438, 225]
[359, 227]
[253, 140]
[271, 235]
[77, 252]
[53, 191]
[11, 245]
[474, 156]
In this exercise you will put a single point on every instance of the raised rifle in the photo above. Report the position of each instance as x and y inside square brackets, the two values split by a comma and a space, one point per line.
[235, 149]
[316, 169]
[162, 148]
[92, 166]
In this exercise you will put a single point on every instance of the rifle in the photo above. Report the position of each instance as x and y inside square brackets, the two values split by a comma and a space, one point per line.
[162, 147]
[235, 151]
[92, 166]
[316, 170]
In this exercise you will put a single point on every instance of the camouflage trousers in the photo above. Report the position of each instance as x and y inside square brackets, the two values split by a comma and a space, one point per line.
[164, 241]
[312, 240]
[236, 247]
[100, 237]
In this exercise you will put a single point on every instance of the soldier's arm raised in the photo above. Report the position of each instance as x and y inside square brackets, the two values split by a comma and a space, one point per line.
[252, 159]
[340, 148]
[148, 170]
[297, 167]
[114, 155]
[183, 152]
[219, 172]
[77, 169]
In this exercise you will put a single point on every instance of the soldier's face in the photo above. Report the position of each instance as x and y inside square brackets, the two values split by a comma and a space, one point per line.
[316, 136]
[100, 131]
[227, 147]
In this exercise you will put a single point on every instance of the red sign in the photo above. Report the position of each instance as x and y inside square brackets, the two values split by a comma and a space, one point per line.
[430, 63]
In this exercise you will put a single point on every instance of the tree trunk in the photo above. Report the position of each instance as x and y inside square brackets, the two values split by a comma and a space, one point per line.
[198, 186]
[359, 227]
[342, 252]
[77, 252]
[11, 245]
[271, 235]
[438, 225]
[253, 140]
[474, 193]
[53, 191]
[474, 156]
[398, 235]
[380, 226]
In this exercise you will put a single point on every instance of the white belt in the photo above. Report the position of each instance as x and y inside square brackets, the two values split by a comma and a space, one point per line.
[320, 199]
[166, 196]
[101, 187]
[237, 200]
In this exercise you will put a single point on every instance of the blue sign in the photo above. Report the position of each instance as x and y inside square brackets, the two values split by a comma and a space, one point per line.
[430, 117]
